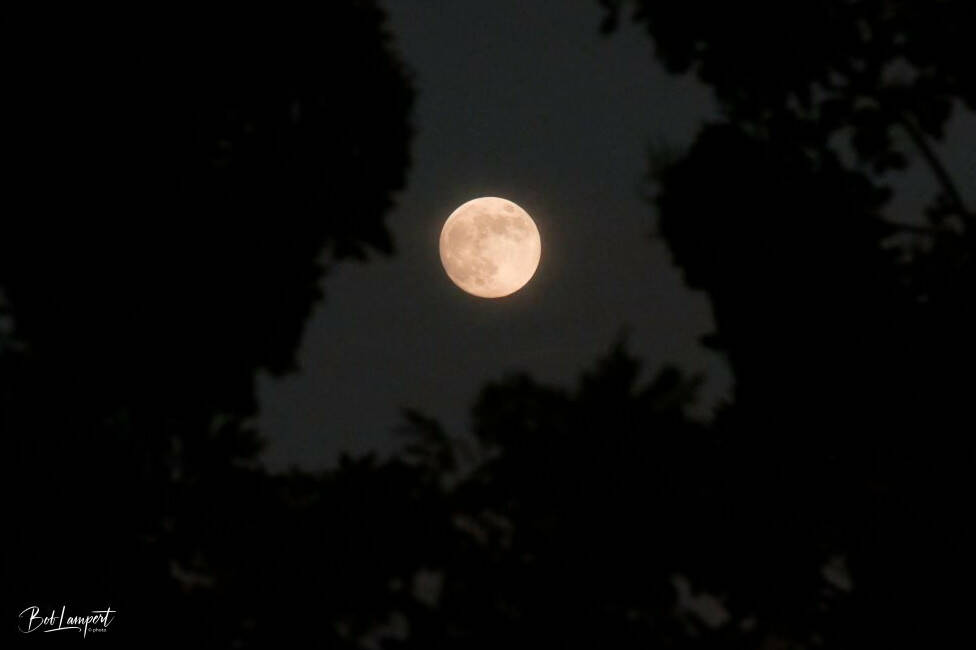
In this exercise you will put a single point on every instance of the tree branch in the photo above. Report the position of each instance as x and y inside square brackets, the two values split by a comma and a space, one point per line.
[937, 167]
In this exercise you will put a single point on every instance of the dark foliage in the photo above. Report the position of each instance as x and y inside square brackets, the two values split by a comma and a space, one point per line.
[186, 181]
[183, 186]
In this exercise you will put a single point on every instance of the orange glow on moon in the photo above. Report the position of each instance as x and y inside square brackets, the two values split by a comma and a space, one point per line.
[490, 247]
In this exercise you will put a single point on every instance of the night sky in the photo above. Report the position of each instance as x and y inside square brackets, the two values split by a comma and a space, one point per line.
[529, 102]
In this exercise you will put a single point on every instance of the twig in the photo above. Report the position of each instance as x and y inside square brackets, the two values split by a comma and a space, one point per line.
[937, 167]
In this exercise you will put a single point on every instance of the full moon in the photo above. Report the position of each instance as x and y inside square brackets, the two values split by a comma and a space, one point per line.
[490, 247]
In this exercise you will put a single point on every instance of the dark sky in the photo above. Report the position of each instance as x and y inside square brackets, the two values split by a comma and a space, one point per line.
[524, 100]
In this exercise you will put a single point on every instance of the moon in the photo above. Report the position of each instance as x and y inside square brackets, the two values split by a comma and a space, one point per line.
[490, 247]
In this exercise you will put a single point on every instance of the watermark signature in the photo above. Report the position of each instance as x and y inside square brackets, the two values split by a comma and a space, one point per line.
[98, 620]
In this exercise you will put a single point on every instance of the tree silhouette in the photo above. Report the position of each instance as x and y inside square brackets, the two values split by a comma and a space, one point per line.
[188, 181]
[564, 529]
[844, 328]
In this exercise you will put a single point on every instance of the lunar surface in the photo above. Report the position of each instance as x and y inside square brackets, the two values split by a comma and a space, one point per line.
[490, 247]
